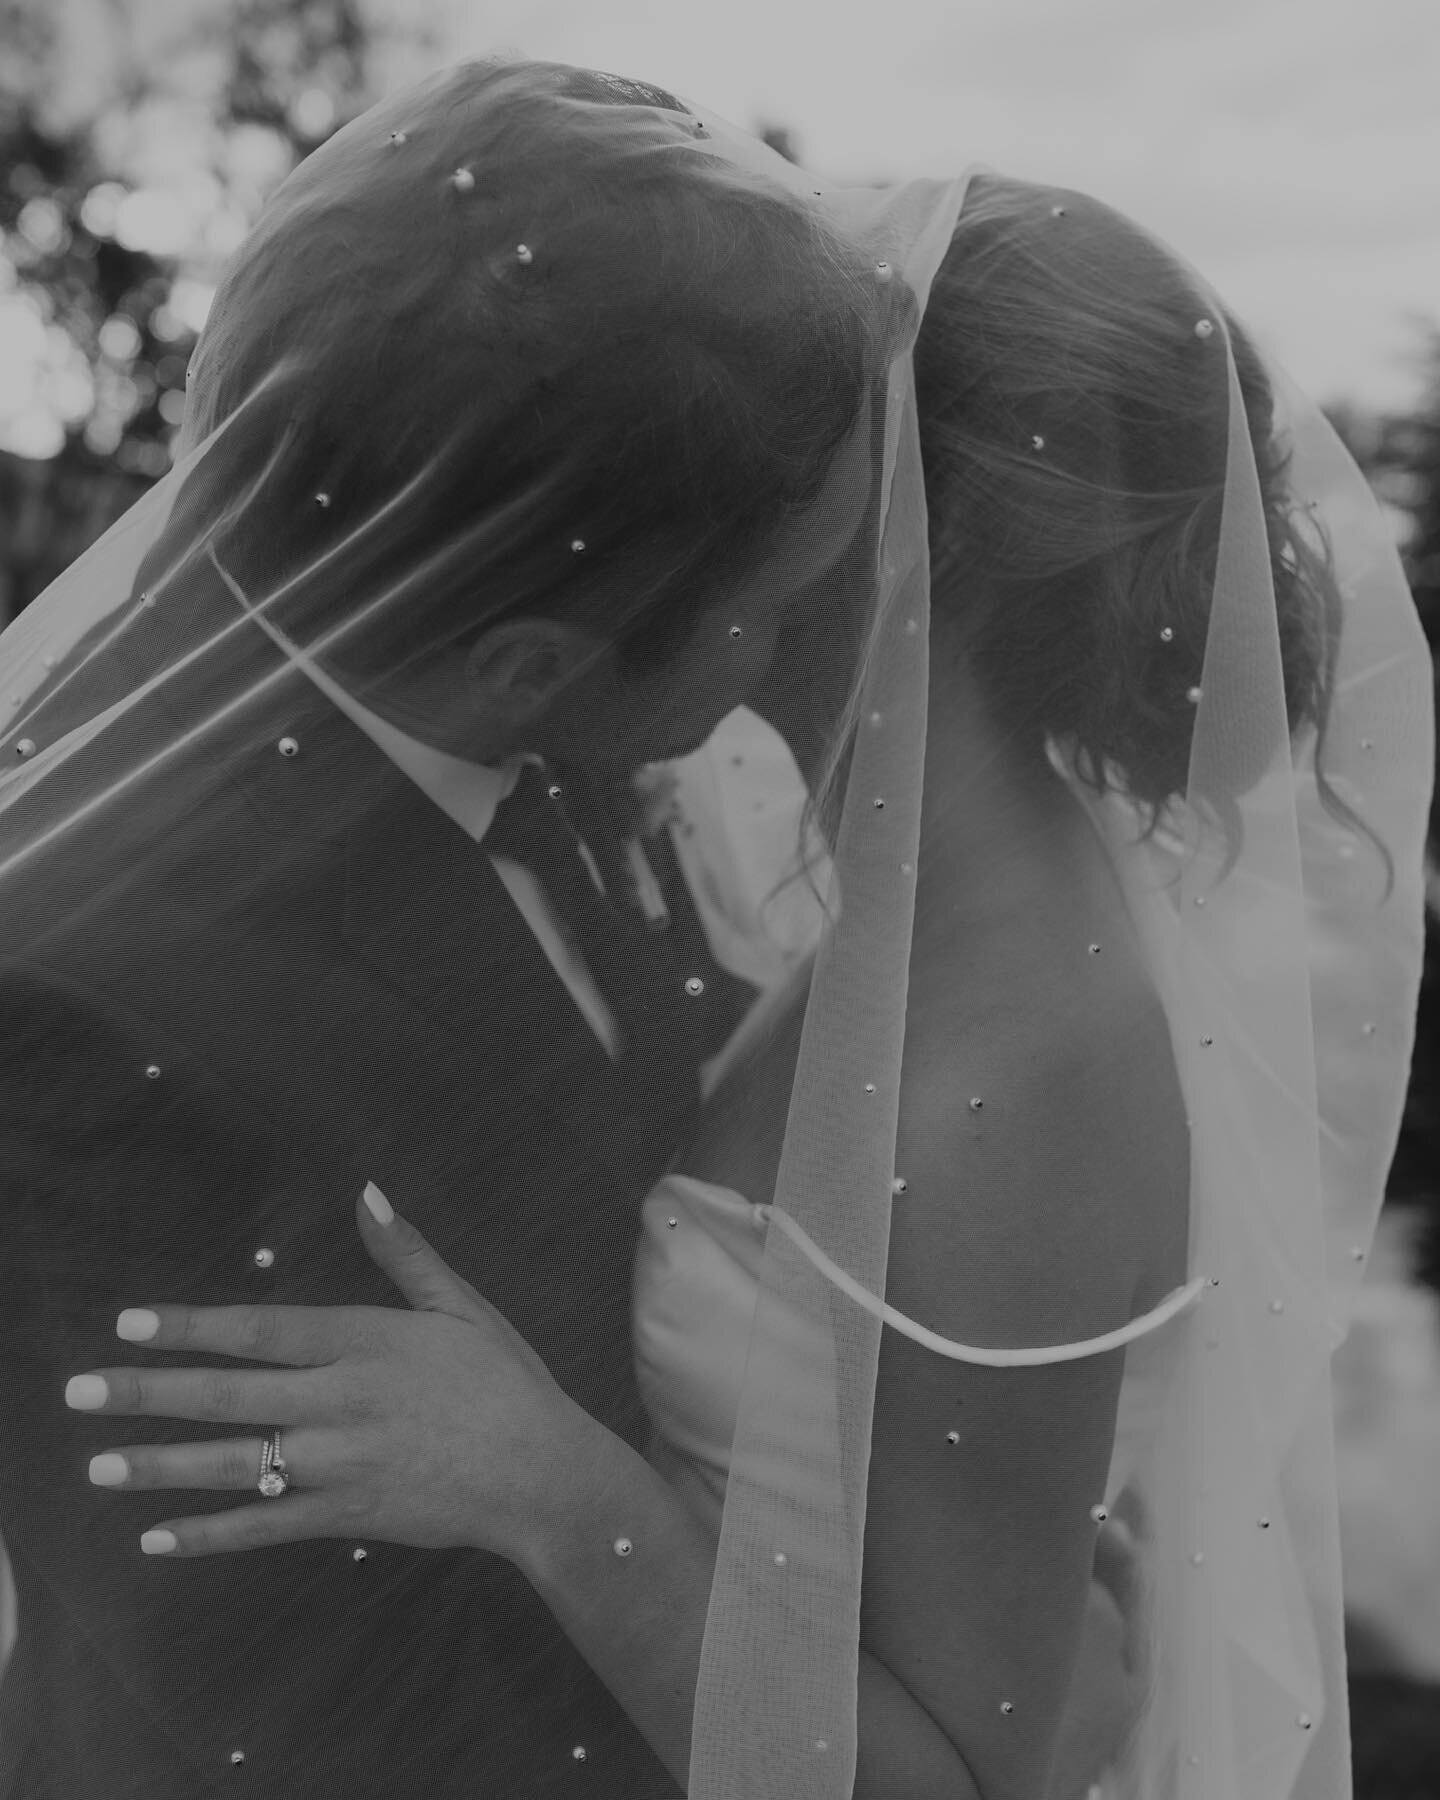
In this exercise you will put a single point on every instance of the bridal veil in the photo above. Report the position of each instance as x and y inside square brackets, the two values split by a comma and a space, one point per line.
[443, 430]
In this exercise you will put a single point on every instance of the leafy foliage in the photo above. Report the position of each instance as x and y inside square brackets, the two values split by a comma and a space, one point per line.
[107, 258]
[1401, 456]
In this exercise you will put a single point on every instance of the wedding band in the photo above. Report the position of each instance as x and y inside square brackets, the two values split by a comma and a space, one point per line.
[273, 1479]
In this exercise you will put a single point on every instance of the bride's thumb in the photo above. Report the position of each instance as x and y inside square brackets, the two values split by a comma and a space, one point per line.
[419, 1271]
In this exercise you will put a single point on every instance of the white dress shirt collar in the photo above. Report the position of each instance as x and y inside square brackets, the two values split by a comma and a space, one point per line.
[470, 793]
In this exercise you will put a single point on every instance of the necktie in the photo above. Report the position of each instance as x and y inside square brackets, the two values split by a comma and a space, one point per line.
[727, 998]
[539, 826]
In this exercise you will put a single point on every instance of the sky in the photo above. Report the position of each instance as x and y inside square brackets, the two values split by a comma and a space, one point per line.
[1289, 148]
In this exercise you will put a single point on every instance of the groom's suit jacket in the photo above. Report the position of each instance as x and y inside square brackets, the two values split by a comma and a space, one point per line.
[231, 996]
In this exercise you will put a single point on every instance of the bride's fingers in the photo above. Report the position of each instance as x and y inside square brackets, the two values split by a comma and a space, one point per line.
[415, 1266]
[1116, 1562]
[285, 1521]
[215, 1396]
[232, 1465]
[303, 1336]
[1129, 1509]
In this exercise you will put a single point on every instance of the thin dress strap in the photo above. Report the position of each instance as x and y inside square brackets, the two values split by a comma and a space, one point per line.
[1174, 1302]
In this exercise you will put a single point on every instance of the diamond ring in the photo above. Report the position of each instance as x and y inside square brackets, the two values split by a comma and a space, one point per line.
[273, 1479]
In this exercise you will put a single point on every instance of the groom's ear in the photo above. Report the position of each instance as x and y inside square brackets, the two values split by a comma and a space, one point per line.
[516, 670]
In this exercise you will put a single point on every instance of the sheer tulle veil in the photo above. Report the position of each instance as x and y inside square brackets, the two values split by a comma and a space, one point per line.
[1277, 891]
[1279, 899]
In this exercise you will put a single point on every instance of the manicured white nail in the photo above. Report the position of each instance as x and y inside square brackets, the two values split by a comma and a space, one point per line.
[158, 1543]
[109, 1470]
[137, 1324]
[379, 1208]
[86, 1393]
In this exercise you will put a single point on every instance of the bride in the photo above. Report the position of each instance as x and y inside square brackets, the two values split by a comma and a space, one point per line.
[984, 1322]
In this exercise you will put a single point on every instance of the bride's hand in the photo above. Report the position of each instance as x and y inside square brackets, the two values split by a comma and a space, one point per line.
[438, 1427]
[1111, 1678]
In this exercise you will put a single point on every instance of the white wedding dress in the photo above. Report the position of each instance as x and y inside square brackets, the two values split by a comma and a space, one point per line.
[696, 1283]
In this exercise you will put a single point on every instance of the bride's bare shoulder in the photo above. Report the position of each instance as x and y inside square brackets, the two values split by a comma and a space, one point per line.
[1042, 1114]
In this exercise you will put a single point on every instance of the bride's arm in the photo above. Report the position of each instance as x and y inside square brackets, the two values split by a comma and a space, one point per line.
[1044, 1227]
[640, 1623]
[980, 1547]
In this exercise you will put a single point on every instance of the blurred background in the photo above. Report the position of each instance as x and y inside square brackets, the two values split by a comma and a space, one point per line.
[1290, 148]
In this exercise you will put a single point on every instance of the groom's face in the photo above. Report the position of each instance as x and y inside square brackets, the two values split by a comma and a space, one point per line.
[654, 714]
[542, 685]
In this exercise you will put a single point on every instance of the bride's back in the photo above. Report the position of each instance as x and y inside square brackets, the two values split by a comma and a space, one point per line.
[1003, 977]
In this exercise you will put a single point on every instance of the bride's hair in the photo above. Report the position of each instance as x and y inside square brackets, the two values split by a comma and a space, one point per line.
[1074, 406]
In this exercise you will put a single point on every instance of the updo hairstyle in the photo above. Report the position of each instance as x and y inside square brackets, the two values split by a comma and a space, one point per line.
[1074, 404]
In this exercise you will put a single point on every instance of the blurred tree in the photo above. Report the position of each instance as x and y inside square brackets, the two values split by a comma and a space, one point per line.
[1407, 455]
[1395, 1736]
[115, 216]
[67, 283]
[1405, 464]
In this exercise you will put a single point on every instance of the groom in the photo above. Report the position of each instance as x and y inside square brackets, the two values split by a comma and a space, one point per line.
[291, 922]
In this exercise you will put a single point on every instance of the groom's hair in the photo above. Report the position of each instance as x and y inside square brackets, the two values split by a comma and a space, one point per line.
[522, 343]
